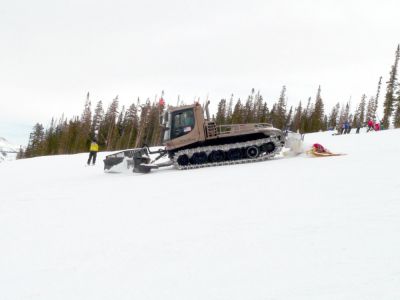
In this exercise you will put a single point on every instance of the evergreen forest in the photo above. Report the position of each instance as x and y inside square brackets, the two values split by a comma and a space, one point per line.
[118, 127]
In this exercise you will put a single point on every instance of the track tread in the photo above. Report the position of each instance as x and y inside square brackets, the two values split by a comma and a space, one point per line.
[226, 147]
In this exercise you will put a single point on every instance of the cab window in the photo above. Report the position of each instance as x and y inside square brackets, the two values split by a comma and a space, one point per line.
[182, 123]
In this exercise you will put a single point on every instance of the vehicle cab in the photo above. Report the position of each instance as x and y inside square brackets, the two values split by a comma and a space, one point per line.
[182, 126]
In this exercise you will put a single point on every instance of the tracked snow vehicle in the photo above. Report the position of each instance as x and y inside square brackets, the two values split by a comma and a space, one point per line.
[192, 141]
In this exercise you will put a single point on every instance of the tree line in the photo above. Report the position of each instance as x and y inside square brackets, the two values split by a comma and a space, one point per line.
[117, 128]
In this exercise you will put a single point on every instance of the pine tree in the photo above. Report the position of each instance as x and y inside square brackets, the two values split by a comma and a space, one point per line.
[378, 91]
[344, 114]
[325, 123]
[21, 153]
[120, 128]
[70, 132]
[248, 108]
[108, 129]
[51, 139]
[237, 115]
[221, 112]
[317, 115]
[36, 139]
[306, 117]
[98, 118]
[83, 137]
[359, 116]
[296, 124]
[61, 130]
[396, 119]
[289, 120]
[153, 128]
[390, 89]
[273, 116]
[370, 111]
[264, 113]
[333, 117]
[258, 107]
[280, 111]
[143, 124]
[229, 111]
[132, 121]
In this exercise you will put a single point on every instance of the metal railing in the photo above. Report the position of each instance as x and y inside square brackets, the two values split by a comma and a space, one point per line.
[236, 128]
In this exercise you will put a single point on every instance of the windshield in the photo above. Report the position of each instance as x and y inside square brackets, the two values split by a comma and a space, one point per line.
[182, 122]
[167, 126]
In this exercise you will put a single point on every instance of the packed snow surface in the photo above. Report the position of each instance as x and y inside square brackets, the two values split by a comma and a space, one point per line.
[289, 228]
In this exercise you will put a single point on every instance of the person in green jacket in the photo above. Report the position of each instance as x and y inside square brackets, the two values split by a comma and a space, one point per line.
[94, 148]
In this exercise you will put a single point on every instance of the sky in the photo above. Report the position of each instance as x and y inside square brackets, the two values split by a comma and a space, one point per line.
[53, 52]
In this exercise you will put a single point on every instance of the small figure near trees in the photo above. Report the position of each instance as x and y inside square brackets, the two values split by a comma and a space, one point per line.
[358, 126]
[342, 131]
[94, 148]
[347, 127]
[370, 125]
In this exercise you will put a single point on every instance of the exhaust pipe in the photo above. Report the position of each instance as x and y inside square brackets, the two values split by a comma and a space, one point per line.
[207, 111]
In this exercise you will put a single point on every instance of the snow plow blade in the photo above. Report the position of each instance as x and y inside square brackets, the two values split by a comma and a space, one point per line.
[132, 158]
[138, 158]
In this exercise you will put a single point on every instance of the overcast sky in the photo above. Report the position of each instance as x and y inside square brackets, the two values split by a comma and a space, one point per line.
[53, 52]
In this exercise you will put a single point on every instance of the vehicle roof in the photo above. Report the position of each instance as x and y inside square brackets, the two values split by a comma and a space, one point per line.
[182, 107]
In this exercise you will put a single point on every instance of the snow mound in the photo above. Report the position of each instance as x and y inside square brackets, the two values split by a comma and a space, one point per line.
[289, 228]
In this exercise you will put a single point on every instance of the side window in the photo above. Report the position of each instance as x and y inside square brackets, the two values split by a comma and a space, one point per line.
[182, 123]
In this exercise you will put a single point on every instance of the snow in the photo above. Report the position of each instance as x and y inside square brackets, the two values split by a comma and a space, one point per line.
[289, 228]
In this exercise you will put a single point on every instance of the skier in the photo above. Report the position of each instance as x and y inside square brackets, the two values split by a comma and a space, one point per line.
[377, 126]
[94, 147]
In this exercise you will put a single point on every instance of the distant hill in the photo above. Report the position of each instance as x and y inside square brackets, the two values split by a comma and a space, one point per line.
[8, 151]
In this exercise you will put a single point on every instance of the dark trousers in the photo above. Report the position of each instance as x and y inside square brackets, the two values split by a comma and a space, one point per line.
[92, 155]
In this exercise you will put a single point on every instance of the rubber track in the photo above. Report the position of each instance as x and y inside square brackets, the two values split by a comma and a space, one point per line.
[226, 147]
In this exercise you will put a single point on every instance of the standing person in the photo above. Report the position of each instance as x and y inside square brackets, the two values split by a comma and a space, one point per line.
[370, 125]
[358, 126]
[339, 129]
[94, 148]
[346, 127]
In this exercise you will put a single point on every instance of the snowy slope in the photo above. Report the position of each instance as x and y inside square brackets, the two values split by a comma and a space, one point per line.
[294, 228]
[8, 151]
